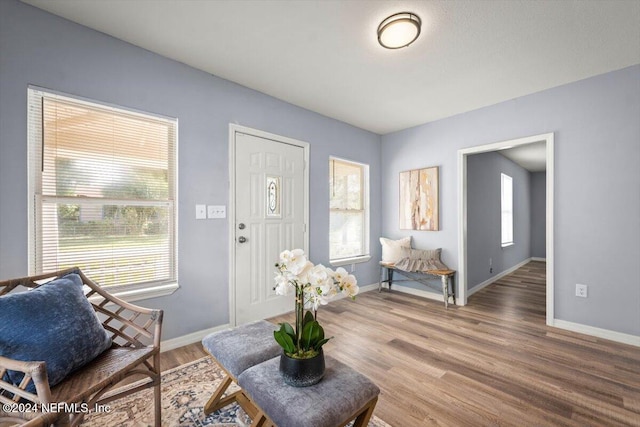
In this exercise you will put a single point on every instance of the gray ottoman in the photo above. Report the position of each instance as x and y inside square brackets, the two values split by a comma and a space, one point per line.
[342, 395]
[236, 350]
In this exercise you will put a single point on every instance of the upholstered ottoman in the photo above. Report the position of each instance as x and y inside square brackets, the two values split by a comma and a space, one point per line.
[235, 350]
[342, 395]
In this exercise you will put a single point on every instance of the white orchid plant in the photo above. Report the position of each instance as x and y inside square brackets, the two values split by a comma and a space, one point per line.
[314, 285]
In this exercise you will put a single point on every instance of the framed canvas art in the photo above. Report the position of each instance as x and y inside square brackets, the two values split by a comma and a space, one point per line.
[419, 205]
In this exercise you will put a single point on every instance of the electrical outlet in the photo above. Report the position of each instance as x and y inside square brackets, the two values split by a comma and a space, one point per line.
[216, 211]
[201, 211]
[490, 270]
[581, 290]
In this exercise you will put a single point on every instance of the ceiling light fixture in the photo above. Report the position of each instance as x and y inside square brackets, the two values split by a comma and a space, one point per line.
[399, 30]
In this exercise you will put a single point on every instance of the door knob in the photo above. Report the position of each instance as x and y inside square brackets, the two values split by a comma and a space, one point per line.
[242, 239]
[241, 226]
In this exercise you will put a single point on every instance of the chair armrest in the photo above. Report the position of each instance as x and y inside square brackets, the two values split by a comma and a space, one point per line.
[34, 371]
[130, 325]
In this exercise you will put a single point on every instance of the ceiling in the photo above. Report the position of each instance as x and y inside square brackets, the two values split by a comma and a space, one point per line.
[532, 157]
[323, 55]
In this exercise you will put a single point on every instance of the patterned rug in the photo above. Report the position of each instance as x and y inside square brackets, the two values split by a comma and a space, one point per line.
[185, 390]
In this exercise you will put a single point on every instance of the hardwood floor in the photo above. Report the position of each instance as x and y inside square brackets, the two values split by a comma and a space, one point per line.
[492, 362]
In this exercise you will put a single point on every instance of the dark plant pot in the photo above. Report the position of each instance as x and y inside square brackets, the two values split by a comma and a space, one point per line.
[302, 372]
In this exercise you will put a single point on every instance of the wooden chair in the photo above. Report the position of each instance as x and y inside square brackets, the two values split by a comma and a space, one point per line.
[135, 351]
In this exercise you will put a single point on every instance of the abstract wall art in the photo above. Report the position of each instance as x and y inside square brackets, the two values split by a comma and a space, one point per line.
[419, 199]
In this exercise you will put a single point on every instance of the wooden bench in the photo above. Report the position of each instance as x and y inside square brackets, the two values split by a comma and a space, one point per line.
[446, 279]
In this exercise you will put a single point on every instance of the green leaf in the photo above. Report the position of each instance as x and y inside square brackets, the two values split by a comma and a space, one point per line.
[311, 334]
[288, 329]
[320, 343]
[284, 340]
[308, 317]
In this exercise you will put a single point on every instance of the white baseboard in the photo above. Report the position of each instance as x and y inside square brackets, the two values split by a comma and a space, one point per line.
[197, 336]
[535, 258]
[496, 277]
[597, 332]
[416, 292]
[367, 288]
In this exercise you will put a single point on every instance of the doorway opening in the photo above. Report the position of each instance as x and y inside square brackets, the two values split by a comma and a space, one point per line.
[463, 157]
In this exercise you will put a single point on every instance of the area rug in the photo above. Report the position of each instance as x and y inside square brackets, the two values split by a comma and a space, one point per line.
[185, 390]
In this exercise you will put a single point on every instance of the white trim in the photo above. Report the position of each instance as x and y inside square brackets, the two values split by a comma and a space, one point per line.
[550, 232]
[462, 294]
[147, 292]
[536, 258]
[417, 292]
[368, 288]
[496, 277]
[191, 338]
[362, 289]
[597, 332]
[233, 129]
[347, 261]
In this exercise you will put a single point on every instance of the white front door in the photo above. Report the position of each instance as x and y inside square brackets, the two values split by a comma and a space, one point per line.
[269, 218]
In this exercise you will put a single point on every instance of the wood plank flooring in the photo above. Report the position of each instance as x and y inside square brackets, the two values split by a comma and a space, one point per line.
[492, 362]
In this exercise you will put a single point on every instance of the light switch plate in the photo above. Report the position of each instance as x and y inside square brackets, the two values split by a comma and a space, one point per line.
[201, 211]
[216, 211]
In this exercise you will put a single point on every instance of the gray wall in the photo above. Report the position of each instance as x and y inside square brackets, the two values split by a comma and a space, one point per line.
[41, 49]
[484, 218]
[538, 214]
[597, 187]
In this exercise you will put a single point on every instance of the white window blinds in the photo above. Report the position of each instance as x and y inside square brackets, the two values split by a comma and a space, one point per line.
[102, 191]
[348, 209]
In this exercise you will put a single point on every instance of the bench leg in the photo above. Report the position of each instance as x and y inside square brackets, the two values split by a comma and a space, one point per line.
[445, 289]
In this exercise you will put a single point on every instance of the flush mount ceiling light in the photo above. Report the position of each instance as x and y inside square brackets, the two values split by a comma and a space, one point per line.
[399, 30]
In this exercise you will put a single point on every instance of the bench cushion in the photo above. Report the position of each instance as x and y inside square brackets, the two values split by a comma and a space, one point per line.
[341, 393]
[54, 323]
[420, 260]
[239, 348]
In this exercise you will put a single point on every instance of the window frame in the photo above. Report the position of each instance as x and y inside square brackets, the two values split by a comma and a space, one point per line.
[127, 292]
[365, 201]
[504, 242]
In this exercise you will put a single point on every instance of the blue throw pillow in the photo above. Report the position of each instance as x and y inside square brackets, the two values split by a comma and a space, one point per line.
[54, 323]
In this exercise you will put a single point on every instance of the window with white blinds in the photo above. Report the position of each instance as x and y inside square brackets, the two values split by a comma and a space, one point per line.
[349, 211]
[102, 191]
[506, 207]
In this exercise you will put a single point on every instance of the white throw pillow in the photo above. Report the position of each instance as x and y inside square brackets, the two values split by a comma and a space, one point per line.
[392, 249]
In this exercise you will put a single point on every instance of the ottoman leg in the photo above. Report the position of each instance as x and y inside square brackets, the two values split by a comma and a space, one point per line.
[362, 420]
[260, 420]
[248, 406]
[214, 401]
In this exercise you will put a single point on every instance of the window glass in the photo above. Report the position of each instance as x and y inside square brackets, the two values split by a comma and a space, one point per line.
[506, 202]
[348, 209]
[102, 191]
